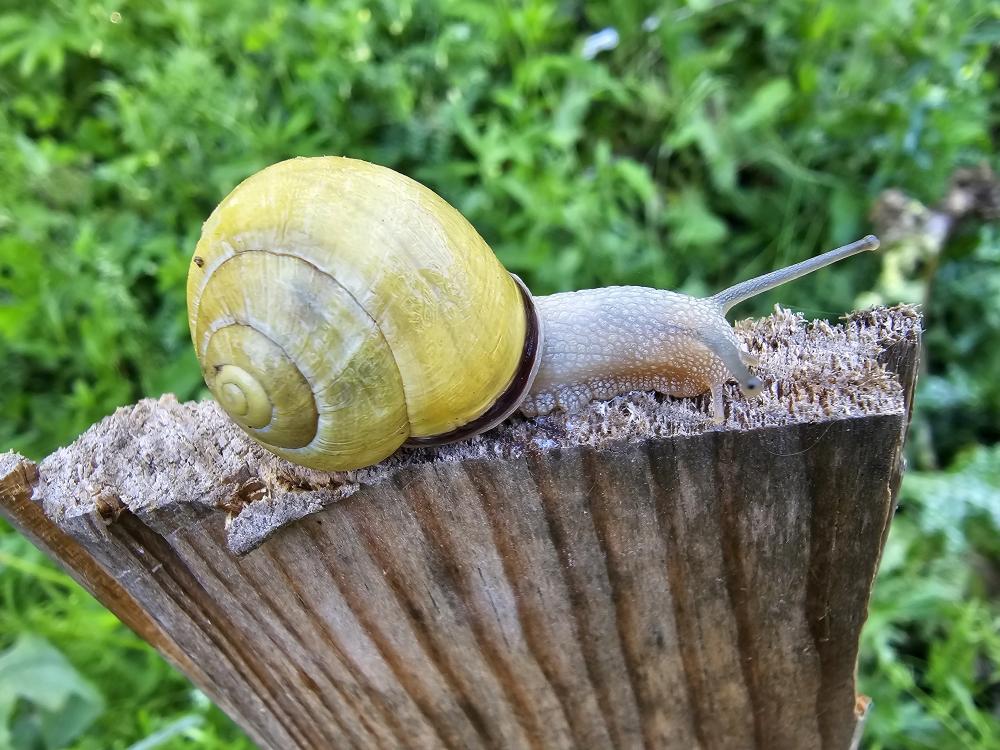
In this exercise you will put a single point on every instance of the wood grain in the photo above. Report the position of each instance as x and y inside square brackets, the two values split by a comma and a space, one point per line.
[701, 590]
[18, 477]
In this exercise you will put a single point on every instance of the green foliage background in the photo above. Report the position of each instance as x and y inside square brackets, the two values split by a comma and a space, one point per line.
[716, 141]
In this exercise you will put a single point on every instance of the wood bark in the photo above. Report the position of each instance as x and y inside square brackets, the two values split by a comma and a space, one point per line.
[630, 577]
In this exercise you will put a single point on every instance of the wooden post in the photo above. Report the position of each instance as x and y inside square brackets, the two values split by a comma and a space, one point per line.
[632, 576]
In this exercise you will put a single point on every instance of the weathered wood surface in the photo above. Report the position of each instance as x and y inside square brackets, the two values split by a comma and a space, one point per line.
[629, 577]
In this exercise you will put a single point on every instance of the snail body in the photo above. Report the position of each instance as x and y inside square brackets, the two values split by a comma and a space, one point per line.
[340, 310]
[600, 343]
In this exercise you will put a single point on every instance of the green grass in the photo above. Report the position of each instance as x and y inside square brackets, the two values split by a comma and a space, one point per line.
[719, 140]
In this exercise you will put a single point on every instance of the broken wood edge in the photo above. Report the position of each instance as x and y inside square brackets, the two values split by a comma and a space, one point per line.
[862, 711]
[18, 479]
[261, 493]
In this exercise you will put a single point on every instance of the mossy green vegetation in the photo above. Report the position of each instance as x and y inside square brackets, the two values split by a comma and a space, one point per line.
[714, 141]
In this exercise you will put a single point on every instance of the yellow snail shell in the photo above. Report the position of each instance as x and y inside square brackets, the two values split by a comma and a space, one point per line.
[340, 309]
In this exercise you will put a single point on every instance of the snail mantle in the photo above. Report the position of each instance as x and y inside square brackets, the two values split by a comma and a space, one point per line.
[160, 453]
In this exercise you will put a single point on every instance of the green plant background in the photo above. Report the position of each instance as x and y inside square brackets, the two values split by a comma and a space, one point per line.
[717, 140]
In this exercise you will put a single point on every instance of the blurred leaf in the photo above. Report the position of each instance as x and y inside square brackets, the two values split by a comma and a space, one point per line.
[177, 728]
[764, 106]
[44, 702]
[969, 491]
[692, 221]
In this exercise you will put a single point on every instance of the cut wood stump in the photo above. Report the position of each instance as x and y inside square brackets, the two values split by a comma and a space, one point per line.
[633, 576]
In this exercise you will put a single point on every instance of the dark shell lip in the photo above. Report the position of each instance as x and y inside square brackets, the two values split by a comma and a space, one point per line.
[510, 399]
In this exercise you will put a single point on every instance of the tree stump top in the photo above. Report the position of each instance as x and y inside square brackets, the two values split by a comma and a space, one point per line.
[160, 452]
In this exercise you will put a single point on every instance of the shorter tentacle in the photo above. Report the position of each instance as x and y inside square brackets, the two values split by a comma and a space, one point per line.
[726, 349]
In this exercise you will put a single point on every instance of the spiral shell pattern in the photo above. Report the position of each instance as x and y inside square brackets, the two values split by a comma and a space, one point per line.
[339, 308]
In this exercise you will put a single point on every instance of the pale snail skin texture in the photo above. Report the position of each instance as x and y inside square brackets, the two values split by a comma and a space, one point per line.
[340, 309]
[601, 343]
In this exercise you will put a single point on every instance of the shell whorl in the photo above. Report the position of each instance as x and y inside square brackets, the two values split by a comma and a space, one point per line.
[285, 349]
[339, 309]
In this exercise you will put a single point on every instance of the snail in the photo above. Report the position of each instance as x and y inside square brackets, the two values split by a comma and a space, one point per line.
[341, 310]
